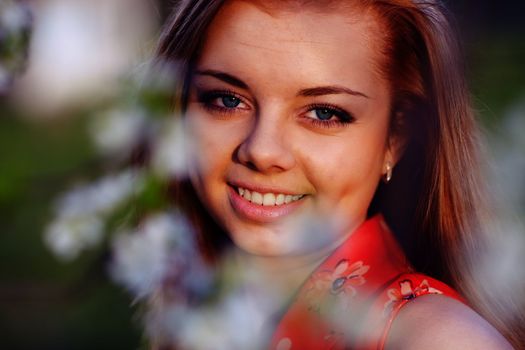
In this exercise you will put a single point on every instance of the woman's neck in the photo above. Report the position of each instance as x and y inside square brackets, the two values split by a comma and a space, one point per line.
[278, 278]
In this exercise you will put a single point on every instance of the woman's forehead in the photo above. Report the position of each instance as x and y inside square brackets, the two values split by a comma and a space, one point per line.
[320, 6]
[244, 15]
[324, 21]
[332, 46]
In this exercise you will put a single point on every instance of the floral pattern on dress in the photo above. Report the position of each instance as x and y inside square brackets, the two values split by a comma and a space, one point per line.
[335, 340]
[406, 292]
[341, 281]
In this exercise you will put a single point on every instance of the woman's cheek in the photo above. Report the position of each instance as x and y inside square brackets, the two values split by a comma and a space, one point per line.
[205, 142]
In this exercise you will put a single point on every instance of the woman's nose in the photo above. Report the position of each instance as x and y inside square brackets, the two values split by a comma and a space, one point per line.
[266, 149]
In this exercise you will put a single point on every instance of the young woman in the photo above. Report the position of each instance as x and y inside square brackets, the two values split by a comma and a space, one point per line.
[348, 116]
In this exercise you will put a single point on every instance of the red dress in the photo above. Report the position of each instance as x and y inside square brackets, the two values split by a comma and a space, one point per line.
[351, 299]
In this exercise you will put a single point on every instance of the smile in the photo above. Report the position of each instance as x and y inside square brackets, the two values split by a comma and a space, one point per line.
[267, 199]
[263, 206]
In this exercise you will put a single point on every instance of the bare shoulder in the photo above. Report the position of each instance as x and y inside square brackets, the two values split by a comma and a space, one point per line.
[438, 322]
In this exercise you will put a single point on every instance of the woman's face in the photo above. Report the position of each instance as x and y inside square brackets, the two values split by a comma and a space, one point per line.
[288, 119]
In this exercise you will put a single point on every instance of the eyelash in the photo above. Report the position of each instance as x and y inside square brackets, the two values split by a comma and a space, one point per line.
[343, 118]
[206, 98]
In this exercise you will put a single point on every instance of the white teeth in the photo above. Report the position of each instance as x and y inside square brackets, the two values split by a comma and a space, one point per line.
[257, 198]
[267, 199]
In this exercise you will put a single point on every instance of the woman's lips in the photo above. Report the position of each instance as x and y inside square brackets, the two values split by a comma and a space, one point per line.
[259, 212]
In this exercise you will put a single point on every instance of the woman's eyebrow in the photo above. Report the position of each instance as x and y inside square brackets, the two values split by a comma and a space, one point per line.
[227, 78]
[315, 91]
[330, 90]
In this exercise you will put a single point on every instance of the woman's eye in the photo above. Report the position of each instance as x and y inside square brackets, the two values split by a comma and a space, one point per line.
[230, 101]
[222, 101]
[323, 114]
[328, 116]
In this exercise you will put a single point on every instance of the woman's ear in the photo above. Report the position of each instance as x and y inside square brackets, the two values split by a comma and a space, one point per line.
[396, 144]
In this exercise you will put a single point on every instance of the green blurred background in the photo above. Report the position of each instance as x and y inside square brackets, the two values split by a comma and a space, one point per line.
[49, 304]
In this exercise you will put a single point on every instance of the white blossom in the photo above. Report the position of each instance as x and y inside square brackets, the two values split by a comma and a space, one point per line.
[163, 320]
[79, 51]
[100, 197]
[80, 213]
[14, 16]
[143, 257]
[5, 79]
[309, 232]
[118, 130]
[499, 271]
[66, 237]
[509, 159]
[170, 152]
[227, 324]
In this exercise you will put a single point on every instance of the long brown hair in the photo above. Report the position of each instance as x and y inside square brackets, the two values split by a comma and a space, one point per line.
[441, 214]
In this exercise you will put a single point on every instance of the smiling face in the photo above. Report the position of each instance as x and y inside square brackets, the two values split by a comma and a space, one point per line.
[288, 118]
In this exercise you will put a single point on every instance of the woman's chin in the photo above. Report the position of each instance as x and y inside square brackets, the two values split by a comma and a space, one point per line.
[299, 234]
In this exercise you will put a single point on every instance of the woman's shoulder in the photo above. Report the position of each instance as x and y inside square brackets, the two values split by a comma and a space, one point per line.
[422, 312]
[437, 321]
